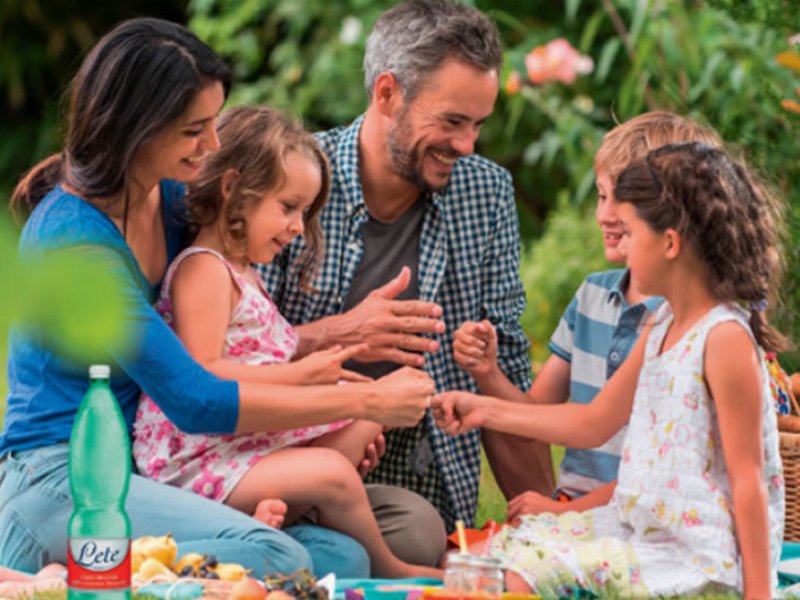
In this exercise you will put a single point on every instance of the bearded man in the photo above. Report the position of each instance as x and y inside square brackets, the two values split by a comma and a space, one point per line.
[421, 234]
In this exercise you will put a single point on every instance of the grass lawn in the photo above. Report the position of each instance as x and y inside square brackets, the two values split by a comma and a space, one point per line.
[491, 503]
[3, 384]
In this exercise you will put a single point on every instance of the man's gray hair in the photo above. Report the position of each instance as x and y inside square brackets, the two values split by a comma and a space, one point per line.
[412, 39]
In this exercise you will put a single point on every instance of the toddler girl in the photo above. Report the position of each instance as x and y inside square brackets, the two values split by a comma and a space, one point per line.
[263, 188]
[699, 499]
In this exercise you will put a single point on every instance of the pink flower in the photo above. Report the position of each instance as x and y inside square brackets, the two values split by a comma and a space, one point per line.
[556, 61]
[175, 444]
[209, 458]
[246, 346]
[253, 460]
[200, 447]
[250, 444]
[208, 485]
[690, 518]
[165, 428]
[155, 467]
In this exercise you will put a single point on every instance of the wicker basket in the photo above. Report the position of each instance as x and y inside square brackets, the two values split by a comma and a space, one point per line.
[789, 443]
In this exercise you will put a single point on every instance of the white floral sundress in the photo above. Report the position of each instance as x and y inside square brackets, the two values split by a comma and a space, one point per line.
[212, 465]
[669, 527]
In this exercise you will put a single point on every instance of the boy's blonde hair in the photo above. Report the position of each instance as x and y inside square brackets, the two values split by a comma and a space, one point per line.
[633, 139]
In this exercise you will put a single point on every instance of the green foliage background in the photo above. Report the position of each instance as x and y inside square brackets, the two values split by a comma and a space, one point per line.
[713, 60]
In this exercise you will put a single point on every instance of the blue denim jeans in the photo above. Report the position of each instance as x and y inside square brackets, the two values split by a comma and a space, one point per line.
[35, 506]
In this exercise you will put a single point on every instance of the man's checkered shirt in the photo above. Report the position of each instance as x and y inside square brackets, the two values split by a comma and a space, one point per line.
[468, 264]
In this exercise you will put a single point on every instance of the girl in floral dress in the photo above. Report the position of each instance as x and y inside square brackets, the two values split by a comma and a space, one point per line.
[699, 503]
[264, 187]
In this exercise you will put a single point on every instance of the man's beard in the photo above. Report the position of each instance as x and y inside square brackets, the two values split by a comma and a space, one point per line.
[405, 160]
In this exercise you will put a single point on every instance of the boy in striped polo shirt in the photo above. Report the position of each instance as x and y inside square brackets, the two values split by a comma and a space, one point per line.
[596, 332]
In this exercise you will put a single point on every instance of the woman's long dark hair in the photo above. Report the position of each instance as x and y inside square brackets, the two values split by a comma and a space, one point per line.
[138, 79]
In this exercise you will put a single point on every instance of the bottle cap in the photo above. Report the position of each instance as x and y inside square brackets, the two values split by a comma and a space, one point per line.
[99, 372]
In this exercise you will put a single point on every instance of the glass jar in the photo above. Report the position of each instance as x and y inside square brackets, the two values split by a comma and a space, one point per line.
[473, 575]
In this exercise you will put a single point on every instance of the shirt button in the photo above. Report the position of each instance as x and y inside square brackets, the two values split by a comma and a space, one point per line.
[615, 356]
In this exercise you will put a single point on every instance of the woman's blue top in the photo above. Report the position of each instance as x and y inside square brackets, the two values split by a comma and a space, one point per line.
[45, 388]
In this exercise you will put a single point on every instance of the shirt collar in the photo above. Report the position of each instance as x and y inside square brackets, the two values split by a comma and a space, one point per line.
[616, 293]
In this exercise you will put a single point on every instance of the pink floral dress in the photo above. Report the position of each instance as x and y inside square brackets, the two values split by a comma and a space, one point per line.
[212, 465]
[669, 527]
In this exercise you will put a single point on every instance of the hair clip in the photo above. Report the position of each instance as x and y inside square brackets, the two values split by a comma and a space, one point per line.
[759, 305]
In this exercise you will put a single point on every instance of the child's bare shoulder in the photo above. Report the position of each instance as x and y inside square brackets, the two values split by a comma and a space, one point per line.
[730, 335]
[730, 353]
[202, 270]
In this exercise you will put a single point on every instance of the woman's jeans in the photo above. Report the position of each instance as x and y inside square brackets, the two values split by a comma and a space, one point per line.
[35, 506]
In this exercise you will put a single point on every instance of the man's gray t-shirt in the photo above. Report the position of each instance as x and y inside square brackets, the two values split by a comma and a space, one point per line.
[388, 247]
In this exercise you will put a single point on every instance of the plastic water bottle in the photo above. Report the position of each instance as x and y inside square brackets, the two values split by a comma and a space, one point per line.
[99, 532]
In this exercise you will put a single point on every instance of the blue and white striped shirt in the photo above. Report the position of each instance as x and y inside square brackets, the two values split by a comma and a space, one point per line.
[595, 335]
[468, 263]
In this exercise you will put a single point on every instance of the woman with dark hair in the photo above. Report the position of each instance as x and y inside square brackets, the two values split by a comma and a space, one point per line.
[141, 120]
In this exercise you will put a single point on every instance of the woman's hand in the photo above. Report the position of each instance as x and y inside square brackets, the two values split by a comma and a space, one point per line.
[475, 347]
[401, 397]
[458, 412]
[325, 366]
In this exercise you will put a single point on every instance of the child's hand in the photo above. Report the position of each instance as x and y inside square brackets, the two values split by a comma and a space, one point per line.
[533, 503]
[475, 347]
[458, 412]
[325, 366]
[372, 455]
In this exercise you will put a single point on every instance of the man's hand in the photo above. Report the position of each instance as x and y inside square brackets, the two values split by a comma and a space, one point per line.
[475, 347]
[392, 328]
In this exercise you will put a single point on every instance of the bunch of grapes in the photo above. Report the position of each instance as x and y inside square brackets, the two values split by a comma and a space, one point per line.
[301, 584]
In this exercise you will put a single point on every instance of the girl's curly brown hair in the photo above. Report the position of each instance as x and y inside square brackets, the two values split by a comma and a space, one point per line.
[255, 142]
[731, 220]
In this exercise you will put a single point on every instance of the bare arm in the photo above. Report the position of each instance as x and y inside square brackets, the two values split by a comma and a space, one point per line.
[395, 400]
[733, 377]
[574, 425]
[551, 385]
[203, 296]
[202, 300]
[475, 351]
[532, 503]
